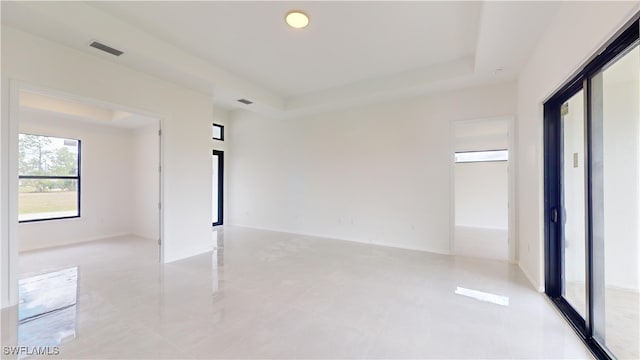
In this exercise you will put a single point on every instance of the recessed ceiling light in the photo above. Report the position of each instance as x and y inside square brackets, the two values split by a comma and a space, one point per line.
[297, 19]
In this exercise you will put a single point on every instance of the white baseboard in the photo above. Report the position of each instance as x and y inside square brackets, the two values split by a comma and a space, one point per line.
[355, 240]
[77, 241]
[200, 251]
[538, 287]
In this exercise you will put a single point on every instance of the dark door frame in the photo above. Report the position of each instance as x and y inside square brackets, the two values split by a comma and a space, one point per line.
[553, 205]
[220, 155]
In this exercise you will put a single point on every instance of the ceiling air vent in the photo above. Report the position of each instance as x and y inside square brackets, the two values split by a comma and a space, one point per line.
[245, 101]
[106, 48]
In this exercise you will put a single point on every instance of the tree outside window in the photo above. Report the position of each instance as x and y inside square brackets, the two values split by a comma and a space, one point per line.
[49, 185]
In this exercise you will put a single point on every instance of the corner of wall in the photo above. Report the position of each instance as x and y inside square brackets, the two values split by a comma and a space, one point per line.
[536, 285]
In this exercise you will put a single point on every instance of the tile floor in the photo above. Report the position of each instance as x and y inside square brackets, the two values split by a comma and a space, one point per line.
[622, 318]
[273, 295]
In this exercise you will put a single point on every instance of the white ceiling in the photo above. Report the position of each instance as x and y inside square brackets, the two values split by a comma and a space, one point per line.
[344, 43]
[352, 52]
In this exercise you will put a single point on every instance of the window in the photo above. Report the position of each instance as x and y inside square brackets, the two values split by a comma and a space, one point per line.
[218, 132]
[481, 156]
[49, 178]
[217, 191]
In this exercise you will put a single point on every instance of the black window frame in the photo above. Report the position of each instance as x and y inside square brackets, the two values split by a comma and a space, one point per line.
[553, 214]
[220, 155]
[77, 177]
[221, 127]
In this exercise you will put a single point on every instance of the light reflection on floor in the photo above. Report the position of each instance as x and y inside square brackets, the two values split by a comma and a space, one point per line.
[483, 296]
[47, 308]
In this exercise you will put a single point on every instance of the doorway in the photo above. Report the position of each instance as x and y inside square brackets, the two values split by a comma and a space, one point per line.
[481, 188]
[86, 171]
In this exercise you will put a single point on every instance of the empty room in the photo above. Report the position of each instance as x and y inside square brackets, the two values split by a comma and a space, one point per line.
[328, 180]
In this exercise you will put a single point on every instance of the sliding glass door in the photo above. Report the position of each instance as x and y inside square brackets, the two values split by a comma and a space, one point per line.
[592, 199]
[615, 109]
[573, 201]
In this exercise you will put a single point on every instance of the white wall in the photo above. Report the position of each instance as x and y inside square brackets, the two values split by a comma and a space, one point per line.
[575, 33]
[481, 193]
[186, 138]
[379, 173]
[481, 134]
[105, 181]
[145, 182]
